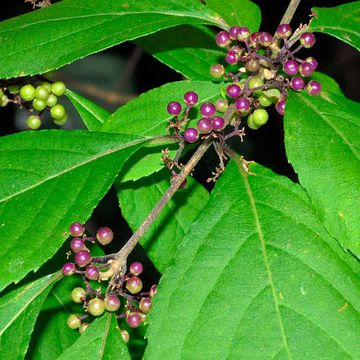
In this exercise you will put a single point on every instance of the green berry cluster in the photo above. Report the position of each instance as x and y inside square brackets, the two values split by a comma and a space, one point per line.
[95, 271]
[37, 96]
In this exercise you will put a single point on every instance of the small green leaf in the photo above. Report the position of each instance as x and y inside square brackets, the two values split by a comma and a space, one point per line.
[322, 138]
[52, 178]
[342, 21]
[138, 198]
[19, 309]
[237, 12]
[57, 35]
[256, 277]
[101, 340]
[147, 116]
[92, 114]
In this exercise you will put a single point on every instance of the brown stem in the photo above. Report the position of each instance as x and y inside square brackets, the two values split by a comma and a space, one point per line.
[290, 11]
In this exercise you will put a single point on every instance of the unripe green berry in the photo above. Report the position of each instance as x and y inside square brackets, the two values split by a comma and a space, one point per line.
[73, 322]
[51, 100]
[33, 122]
[78, 295]
[42, 93]
[260, 117]
[27, 92]
[4, 100]
[58, 112]
[254, 83]
[265, 101]
[58, 88]
[221, 105]
[96, 307]
[39, 104]
[62, 121]
[14, 89]
[274, 94]
[83, 327]
[1, 92]
[250, 123]
[47, 85]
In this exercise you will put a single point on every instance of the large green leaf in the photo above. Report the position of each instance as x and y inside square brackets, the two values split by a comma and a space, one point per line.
[48, 180]
[91, 114]
[342, 21]
[256, 277]
[322, 138]
[138, 198]
[49, 38]
[147, 116]
[18, 312]
[101, 340]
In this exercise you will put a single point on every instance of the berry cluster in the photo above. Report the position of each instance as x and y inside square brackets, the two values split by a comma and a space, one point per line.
[95, 301]
[36, 96]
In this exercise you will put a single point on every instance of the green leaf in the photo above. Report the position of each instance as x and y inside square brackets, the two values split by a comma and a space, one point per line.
[342, 21]
[256, 277]
[52, 178]
[138, 198]
[101, 340]
[190, 54]
[322, 139]
[57, 35]
[147, 116]
[92, 114]
[328, 83]
[18, 312]
[237, 12]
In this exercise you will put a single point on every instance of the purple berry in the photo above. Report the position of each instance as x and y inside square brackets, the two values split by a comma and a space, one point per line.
[104, 235]
[223, 39]
[134, 320]
[207, 109]
[217, 71]
[83, 258]
[265, 39]
[191, 98]
[307, 40]
[134, 284]
[218, 123]
[112, 302]
[280, 107]
[312, 61]
[291, 67]
[145, 305]
[191, 135]
[254, 39]
[221, 105]
[231, 57]
[76, 229]
[233, 90]
[153, 291]
[234, 32]
[204, 126]
[297, 83]
[136, 268]
[68, 269]
[283, 31]
[77, 244]
[243, 34]
[92, 273]
[243, 106]
[174, 108]
[313, 87]
[306, 69]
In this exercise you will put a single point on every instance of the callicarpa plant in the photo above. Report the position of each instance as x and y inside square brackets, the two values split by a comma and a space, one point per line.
[254, 262]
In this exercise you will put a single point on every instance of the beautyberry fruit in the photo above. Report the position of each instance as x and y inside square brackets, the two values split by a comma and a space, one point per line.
[96, 307]
[191, 98]
[125, 335]
[83, 258]
[290, 67]
[78, 295]
[92, 273]
[252, 65]
[207, 109]
[58, 112]
[307, 40]
[134, 320]
[27, 92]
[217, 71]
[4, 100]
[264, 100]
[104, 235]
[51, 100]
[221, 105]
[280, 107]
[218, 123]
[58, 88]
[243, 34]
[223, 39]
[83, 327]
[42, 93]
[77, 244]
[283, 31]
[312, 61]
[313, 87]
[174, 108]
[233, 32]
[260, 117]
[76, 229]
[134, 284]
[254, 83]
[297, 83]
[68, 269]
[306, 69]
[231, 57]
[39, 104]
[243, 106]
[13, 89]
[153, 291]
[145, 305]
[204, 126]
[233, 90]
[112, 303]
[136, 268]
[33, 122]
[191, 135]
[73, 322]
[265, 39]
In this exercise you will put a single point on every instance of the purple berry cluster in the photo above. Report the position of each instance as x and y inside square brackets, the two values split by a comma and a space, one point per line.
[136, 304]
[262, 69]
[37, 97]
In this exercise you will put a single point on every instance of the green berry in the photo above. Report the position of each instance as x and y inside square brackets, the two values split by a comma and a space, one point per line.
[1, 92]
[4, 100]
[260, 117]
[78, 295]
[273, 93]
[51, 100]
[58, 88]
[39, 104]
[250, 123]
[47, 85]
[62, 121]
[96, 307]
[83, 327]
[58, 112]
[33, 122]
[265, 101]
[42, 93]
[14, 89]
[254, 83]
[73, 322]
[27, 92]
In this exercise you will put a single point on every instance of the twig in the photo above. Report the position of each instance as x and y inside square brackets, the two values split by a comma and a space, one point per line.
[290, 11]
